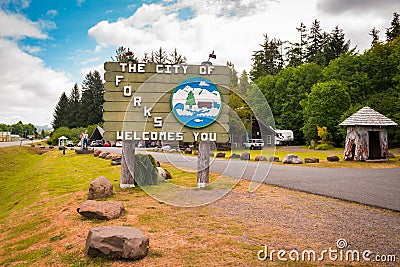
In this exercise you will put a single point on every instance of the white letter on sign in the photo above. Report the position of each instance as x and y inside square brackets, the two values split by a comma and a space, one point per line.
[127, 90]
[157, 122]
[137, 100]
[118, 79]
[146, 111]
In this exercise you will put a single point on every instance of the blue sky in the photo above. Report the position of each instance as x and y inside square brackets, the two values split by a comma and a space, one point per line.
[46, 46]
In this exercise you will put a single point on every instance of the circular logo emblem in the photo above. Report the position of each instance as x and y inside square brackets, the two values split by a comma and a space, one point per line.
[196, 102]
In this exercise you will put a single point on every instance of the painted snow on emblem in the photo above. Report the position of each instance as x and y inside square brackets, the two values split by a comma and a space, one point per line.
[196, 102]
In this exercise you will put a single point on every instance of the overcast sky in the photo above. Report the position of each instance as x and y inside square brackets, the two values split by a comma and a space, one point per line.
[46, 46]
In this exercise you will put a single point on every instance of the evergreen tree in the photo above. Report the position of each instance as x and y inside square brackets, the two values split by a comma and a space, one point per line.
[74, 107]
[394, 30]
[92, 99]
[160, 56]
[374, 34]
[123, 55]
[176, 58]
[190, 100]
[268, 60]
[61, 112]
[296, 53]
[315, 42]
[336, 45]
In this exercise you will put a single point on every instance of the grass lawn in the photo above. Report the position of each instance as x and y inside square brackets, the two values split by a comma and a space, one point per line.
[39, 225]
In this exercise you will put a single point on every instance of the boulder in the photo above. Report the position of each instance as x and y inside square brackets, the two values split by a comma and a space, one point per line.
[103, 154]
[220, 155]
[245, 156]
[99, 188]
[292, 159]
[116, 242]
[96, 153]
[235, 156]
[311, 160]
[260, 158]
[102, 210]
[163, 174]
[273, 159]
[332, 158]
[188, 150]
[196, 152]
[116, 161]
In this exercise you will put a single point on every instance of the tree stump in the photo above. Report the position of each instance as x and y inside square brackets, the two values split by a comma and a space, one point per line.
[127, 165]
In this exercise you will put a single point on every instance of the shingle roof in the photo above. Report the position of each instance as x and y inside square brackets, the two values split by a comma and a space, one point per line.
[368, 117]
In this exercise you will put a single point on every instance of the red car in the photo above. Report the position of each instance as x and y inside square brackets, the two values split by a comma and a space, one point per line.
[107, 144]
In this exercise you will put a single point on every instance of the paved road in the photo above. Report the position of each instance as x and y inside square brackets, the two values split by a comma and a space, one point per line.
[15, 143]
[374, 187]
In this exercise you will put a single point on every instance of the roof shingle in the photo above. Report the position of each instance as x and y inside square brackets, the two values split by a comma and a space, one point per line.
[368, 117]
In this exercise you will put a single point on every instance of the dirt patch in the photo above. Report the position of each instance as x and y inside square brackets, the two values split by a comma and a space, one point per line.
[228, 232]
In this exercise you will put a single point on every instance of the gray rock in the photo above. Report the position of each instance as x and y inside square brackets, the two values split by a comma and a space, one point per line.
[292, 159]
[103, 154]
[99, 188]
[273, 159]
[245, 156]
[220, 155]
[260, 158]
[311, 160]
[117, 242]
[235, 156]
[188, 150]
[332, 158]
[163, 174]
[102, 210]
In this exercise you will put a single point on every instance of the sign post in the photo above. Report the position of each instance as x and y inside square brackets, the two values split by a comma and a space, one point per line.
[127, 165]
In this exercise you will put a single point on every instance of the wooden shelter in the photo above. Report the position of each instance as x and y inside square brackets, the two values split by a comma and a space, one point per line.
[366, 137]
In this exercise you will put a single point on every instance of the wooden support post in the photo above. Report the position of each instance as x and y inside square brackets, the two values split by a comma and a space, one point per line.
[203, 164]
[127, 164]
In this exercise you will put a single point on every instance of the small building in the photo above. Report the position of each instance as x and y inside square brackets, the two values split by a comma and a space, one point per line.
[366, 137]
[5, 136]
[205, 104]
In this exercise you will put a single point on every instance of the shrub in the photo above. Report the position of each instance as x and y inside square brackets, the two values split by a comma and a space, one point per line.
[324, 147]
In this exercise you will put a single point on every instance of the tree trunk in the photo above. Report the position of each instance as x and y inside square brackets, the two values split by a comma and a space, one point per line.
[127, 164]
[203, 164]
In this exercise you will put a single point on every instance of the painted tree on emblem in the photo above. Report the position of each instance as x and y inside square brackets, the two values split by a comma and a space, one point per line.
[190, 101]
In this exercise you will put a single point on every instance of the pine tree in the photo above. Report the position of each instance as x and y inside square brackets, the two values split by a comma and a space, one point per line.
[92, 99]
[74, 106]
[394, 30]
[315, 42]
[335, 45]
[176, 58]
[374, 34]
[190, 100]
[268, 60]
[61, 112]
[160, 56]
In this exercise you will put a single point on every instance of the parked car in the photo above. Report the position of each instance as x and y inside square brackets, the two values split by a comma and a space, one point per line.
[254, 144]
[118, 143]
[107, 144]
[96, 143]
[69, 144]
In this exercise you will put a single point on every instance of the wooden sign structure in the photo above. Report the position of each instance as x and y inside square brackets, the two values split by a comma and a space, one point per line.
[166, 103]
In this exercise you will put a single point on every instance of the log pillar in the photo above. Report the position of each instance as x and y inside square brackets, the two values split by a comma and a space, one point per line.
[203, 164]
[127, 165]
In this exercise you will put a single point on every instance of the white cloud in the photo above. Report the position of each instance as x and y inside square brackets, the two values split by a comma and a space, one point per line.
[17, 26]
[28, 90]
[234, 29]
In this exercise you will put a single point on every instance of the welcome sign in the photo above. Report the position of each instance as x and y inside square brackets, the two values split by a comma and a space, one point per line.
[161, 102]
